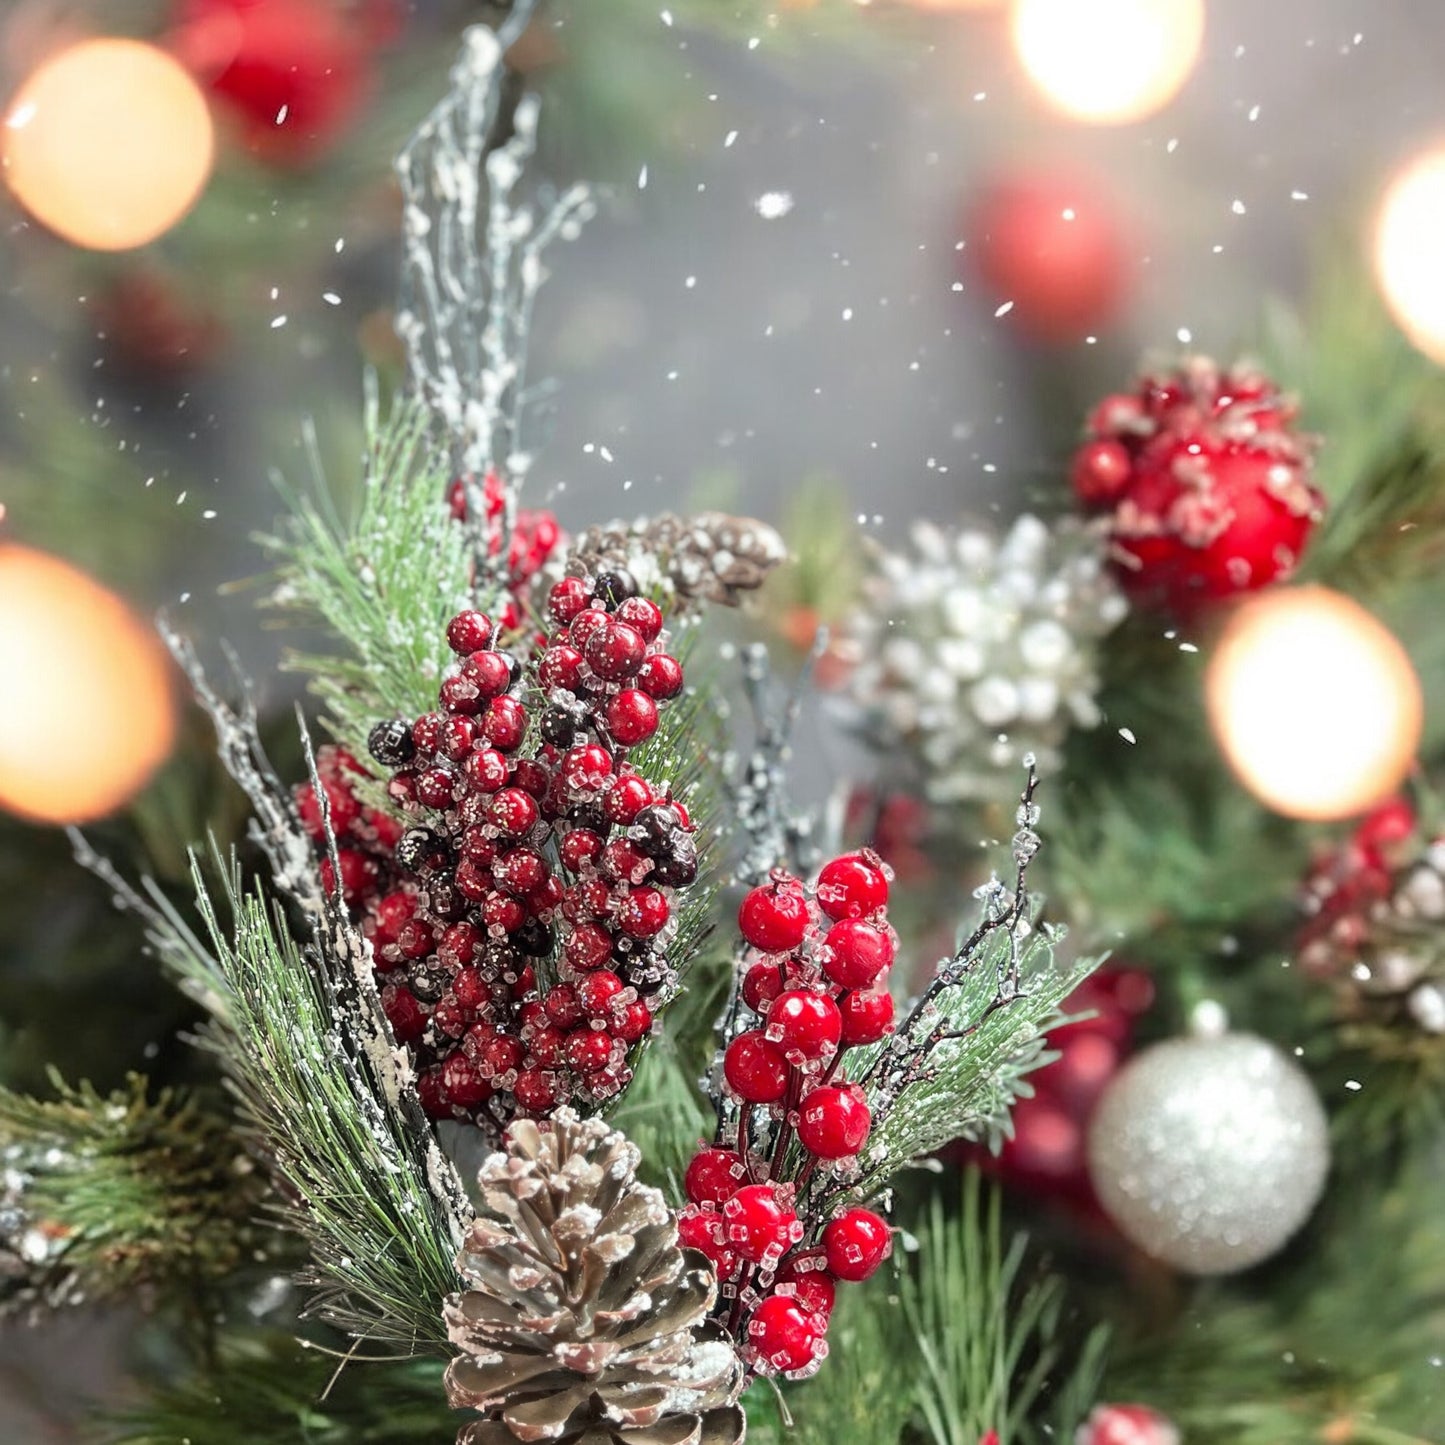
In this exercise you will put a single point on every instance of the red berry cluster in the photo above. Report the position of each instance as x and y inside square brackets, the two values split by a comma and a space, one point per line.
[526, 955]
[1126, 1425]
[366, 837]
[1204, 480]
[536, 534]
[818, 984]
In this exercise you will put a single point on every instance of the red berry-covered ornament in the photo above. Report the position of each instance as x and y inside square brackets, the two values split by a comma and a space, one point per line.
[1204, 481]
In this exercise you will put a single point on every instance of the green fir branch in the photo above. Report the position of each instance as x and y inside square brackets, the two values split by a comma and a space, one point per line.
[107, 1196]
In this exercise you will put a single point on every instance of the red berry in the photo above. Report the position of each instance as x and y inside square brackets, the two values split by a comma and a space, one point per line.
[852, 886]
[462, 1082]
[460, 695]
[626, 798]
[504, 724]
[1100, 472]
[562, 1005]
[631, 717]
[433, 1100]
[486, 770]
[713, 1176]
[635, 1023]
[856, 1243]
[469, 988]
[567, 598]
[758, 1224]
[502, 914]
[860, 952]
[449, 1017]
[785, 1336]
[535, 1090]
[589, 946]
[755, 1068]
[501, 1055]
[404, 1012]
[643, 614]
[833, 1122]
[547, 1045]
[390, 914]
[587, 622]
[588, 1050]
[762, 983]
[426, 732]
[660, 676]
[473, 880]
[812, 1288]
[456, 737]
[469, 632]
[415, 938]
[435, 787]
[805, 1025]
[644, 913]
[615, 651]
[597, 992]
[867, 1017]
[624, 862]
[580, 846]
[531, 776]
[489, 672]
[701, 1229]
[513, 812]
[587, 767]
[774, 916]
[561, 666]
[522, 871]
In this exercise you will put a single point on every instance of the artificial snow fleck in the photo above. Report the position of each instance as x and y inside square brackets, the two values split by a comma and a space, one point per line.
[772, 205]
[1128, 735]
[1004, 309]
[1237, 206]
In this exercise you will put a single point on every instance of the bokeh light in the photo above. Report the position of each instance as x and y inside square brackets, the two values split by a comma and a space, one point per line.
[108, 143]
[1409, 244]
[1314, 703]
[86, 712]
[1108, 61]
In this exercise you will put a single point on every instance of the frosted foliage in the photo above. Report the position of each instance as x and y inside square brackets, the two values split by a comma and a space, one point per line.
[472, 263]
[976, 650]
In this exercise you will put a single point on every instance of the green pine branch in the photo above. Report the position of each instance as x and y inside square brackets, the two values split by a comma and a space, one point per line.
[108, 1195]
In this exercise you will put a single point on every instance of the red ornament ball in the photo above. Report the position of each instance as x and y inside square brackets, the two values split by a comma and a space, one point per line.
[856, 1243]
[1052, 249]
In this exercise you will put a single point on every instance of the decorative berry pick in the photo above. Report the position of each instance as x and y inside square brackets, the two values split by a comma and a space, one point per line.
[524, 948]
[1205, 482]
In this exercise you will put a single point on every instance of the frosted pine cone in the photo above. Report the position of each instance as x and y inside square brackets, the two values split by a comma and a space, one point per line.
[973, 651]
[584, 1323]
[711, 557]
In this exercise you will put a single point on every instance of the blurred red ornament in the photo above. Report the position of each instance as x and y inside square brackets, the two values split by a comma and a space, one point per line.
[895, 826]
[1052, 251]
[1126, 1425]
[152, 328]
[1206, 482]
[294, 73]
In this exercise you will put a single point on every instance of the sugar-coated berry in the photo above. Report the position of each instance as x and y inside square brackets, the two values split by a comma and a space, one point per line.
[502, 914]
[758, 1224]
[547, 1044]
[774, 916]
[535, 1090]
[588, 1050]
[426, 732]
[460, 696]
[561, 666]
[513, 812]
[852, 886]
[435, 787]
[588, 947]
[590, 620]
[597, 992]
[462, 1082]
[587, 767]
[457, 736]
[755, 1068]
[405, 1014]
[805, 1025]
[833, 1122]
[502, 1055]
[579, 847]
[701, 1229]
[567, 598]
[643, 614]
[784, 1335]
[660, 676]
[504, 724]
[491, 673]
[633, 1023]
[812, 1288]
[391, 743]
[616, 584]
[644, 913]
[859, 952]
[433, 1100]
[713, 1176]
[631, 716]
[485, 770]
[469, 632]
[520, 872]
[856, 1243]
[626, 798]
[867, 1017]
[614, 651]
[562, 1006]
[762, 983]
[624, 862]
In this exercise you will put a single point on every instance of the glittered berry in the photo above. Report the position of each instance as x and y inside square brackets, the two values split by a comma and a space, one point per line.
[426, 732]
[405, 1013]
[805, 1025]
[491, 673]
[627, 798]
[547, 1045]
[504, 724]
[833, 1123]
[535, 1090]
[614, 651]
[762, 983]
[462, 1082]
[859, 953]
[758, 1224]
[812, 1288]
[631, 717]
[755, 1068]
[852, 886]
[391, 744]
[633, 1022]
[589, 946]
[588, 1050]
[784, 1335]
[856, 1243]
[567, 598]
[660, 676]
[580, 847]
[502, 914]
[469, 632]
[562, 1005]
[587, 768]
[643, 614]
[644, 913]
[867, 1017]
[587, 622]
[435, 787]
[433, 1100]
[623, 862]
[457, 736]
[501, 1056]
[460, 695]
[513, 812]
[714, 1175]
[486, 770]
[701, 1229]
[415, 939]
[774, 916]
[597, 992]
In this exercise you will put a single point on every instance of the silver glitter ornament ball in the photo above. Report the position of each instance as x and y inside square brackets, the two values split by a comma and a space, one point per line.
[1209, 1153]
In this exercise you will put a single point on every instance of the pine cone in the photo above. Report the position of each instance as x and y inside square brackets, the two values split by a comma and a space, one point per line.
[584, 1323]
[711, 557]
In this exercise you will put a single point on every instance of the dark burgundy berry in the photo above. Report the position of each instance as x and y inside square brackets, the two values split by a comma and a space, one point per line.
[677, 868]
[469, 632]
[418, 849]
[534, 938]
[631, 717]
[532, 777]
[390, 743]
[660, 676]
[643, 614]
[433, 1100]
[560, 726]
[616, 585]
[407, 1017]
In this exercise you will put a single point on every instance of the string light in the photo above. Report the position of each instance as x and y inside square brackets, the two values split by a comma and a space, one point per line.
[1409, 241]
[108, 143]
[1314, 703]
[1108, 61]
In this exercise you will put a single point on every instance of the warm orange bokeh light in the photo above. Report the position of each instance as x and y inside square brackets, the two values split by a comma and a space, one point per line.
[108, 143]
[86, 708]
[1314, 703]
[1409, 239]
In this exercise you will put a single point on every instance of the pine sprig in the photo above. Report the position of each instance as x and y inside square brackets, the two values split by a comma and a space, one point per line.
[989, 1339]
[107, 1195]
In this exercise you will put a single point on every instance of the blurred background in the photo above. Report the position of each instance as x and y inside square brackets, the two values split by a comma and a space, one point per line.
[884, 254]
